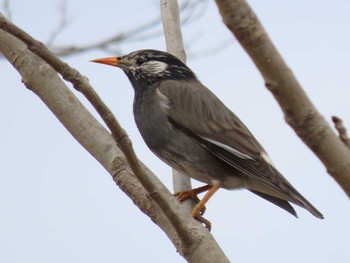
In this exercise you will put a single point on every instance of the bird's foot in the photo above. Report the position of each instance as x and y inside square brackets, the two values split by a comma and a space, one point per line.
[206, 223]
[199, 209]
[198, 215]
[190, 194]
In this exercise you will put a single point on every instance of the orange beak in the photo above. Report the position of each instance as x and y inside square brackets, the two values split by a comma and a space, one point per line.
[113, 61]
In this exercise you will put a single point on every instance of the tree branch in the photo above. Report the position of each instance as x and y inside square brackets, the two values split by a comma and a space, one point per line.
[298, 110]
[107, 44]
[146, 30]
[338, 123]
[143, 187]
[45, 83]
[62, 24]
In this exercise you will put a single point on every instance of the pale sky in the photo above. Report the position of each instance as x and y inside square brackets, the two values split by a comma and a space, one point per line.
[57, 204]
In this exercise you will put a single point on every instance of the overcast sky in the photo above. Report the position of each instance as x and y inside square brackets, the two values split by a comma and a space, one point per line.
[57, 204]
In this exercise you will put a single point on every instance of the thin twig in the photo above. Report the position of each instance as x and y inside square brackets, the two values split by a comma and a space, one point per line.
[62, 24]
[191, 11]
[141, 32]
[339, 125]
[81, 84]
[105, 44]
[209, 51]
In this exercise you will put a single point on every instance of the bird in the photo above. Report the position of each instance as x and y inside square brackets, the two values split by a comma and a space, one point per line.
[189, 128]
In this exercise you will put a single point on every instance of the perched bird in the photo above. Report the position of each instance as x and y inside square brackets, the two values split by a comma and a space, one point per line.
[190, 129]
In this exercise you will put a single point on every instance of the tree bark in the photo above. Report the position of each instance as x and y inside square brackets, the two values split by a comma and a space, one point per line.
[38, 68]
[299, 112]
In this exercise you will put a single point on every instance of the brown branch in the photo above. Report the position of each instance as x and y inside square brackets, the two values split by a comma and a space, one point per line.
[338, 124]
[298, 110]
[185, 233]
[81, 84]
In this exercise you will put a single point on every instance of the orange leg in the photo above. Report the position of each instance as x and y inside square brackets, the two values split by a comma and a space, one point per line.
[199, 209]
[196, 210]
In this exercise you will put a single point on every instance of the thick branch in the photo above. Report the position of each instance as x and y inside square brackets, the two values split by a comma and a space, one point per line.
[81, 84]
[150, 196]
[343, 135]
[45, 83]
[298, 110]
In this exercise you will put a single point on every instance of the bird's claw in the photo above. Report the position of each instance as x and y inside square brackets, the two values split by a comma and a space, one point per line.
[203, 221]
[190, 194]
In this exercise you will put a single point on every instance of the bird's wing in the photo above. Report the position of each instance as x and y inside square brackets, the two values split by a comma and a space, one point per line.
[196, 111]
[209, 122]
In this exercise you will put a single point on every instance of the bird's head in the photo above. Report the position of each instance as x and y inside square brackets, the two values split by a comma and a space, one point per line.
[145, 67]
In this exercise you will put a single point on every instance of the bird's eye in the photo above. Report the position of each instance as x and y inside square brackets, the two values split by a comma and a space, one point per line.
[139, 61]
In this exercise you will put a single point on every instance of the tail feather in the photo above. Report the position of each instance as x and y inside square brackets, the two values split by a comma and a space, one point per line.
[298, 199]
[277, 201]
[280, 192]
[301, 201]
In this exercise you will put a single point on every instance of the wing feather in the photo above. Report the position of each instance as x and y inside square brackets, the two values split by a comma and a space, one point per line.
[211, 124]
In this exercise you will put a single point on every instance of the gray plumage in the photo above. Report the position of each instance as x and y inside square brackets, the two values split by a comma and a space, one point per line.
[191, 130]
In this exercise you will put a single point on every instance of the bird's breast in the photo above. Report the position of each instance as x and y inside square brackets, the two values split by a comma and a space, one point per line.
[172, 145]
[151, 117]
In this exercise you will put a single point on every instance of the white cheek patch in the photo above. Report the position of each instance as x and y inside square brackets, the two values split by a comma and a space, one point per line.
[154, 67]
[132, 69]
